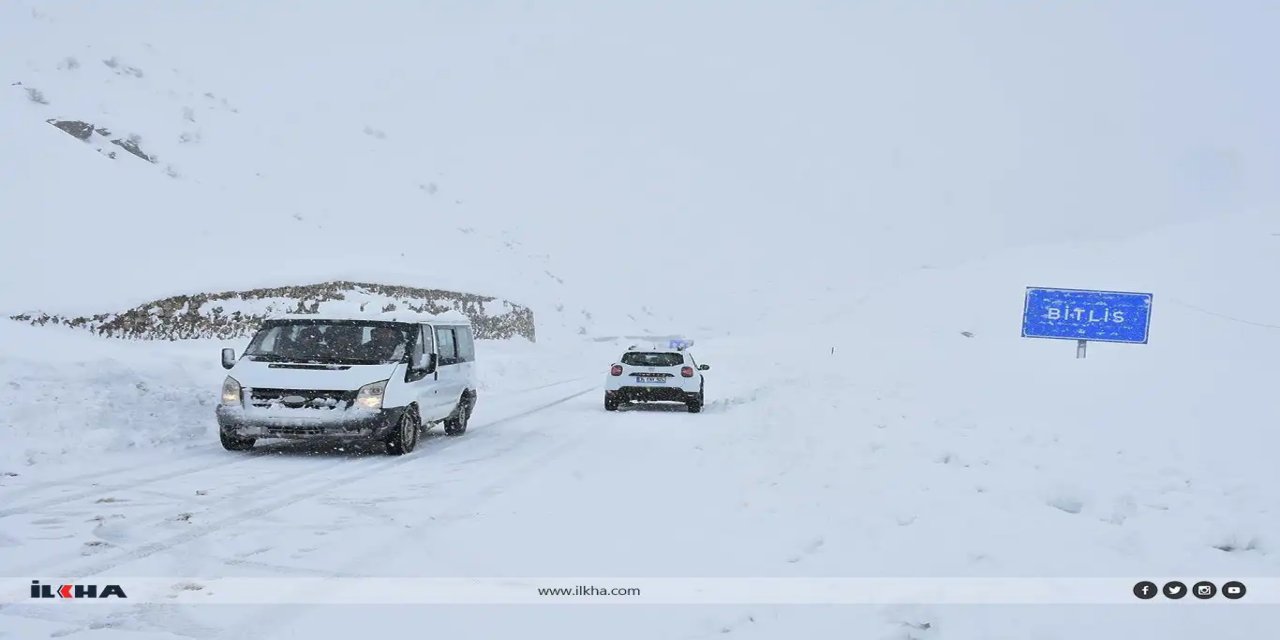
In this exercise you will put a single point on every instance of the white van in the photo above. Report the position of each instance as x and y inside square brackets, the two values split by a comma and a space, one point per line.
[381, 377]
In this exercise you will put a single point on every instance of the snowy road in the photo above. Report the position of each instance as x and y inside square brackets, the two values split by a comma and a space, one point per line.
[152, 509]
[283, 508]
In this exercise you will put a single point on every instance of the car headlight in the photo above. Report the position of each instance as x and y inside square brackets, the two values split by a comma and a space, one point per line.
[230, 392]
[370, 395]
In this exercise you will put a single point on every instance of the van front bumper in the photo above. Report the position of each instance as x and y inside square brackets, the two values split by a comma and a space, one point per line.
[374, 425]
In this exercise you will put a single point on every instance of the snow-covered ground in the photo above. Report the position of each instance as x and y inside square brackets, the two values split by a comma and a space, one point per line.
[842, 205]
[877, 442]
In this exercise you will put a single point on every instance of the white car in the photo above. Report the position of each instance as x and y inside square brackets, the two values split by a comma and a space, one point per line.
[656, 375]
[381, 378]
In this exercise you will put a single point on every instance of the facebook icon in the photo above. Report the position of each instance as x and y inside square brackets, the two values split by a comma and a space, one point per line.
[1145, 590]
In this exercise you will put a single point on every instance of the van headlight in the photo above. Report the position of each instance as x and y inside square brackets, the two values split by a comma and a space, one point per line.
[230, 392]
[370, 395]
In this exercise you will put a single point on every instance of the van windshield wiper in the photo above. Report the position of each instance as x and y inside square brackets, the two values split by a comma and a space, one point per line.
[271, 357]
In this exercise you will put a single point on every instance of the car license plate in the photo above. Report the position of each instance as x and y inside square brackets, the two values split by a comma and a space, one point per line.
[651, 379]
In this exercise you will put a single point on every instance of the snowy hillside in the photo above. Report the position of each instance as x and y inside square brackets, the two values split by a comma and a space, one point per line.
[245, 190]
[238, 314]
[844, 206]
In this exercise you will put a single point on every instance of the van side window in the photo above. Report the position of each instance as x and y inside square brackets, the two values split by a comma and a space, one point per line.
[422, 342]
[426, 338]
[446, 346]
[466, 345]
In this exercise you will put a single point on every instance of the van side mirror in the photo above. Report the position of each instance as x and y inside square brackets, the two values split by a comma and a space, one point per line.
[228, 358]
[704, 367]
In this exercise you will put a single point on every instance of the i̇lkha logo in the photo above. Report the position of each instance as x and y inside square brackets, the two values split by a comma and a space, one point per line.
[75, 591]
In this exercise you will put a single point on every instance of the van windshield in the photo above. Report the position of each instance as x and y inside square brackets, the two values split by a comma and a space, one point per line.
[331, 342]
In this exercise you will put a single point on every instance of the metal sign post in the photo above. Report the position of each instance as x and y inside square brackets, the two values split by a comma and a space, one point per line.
[1085, 315]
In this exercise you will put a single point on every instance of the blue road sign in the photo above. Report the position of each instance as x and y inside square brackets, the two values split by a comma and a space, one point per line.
[1076, 314]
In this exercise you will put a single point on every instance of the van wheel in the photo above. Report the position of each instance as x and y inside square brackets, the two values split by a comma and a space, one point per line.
[456, 424]
[232, 443]
[404, 437]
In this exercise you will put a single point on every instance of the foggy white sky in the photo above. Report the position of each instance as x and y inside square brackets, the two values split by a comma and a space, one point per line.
[784, 139]
[898, 131]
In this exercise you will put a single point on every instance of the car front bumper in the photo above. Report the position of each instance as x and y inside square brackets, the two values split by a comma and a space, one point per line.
[375, 425]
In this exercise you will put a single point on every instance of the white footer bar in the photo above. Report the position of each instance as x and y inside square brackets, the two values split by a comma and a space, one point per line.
[620, 590]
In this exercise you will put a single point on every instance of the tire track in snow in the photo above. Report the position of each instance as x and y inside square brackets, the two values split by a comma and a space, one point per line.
[36, 487]
[157, 515]
[548, 385]
[127, 484]
[275, 504]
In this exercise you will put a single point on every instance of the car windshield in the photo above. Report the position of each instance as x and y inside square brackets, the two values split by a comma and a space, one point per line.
[640, 359]
[337, 342]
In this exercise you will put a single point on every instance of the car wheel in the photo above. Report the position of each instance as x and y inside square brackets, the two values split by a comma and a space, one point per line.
[404, 437]
[232, 443]
[694, 403]
[456, 424]
[610, 402]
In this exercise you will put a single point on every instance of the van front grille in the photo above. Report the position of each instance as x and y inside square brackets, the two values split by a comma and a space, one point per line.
[301, 398]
